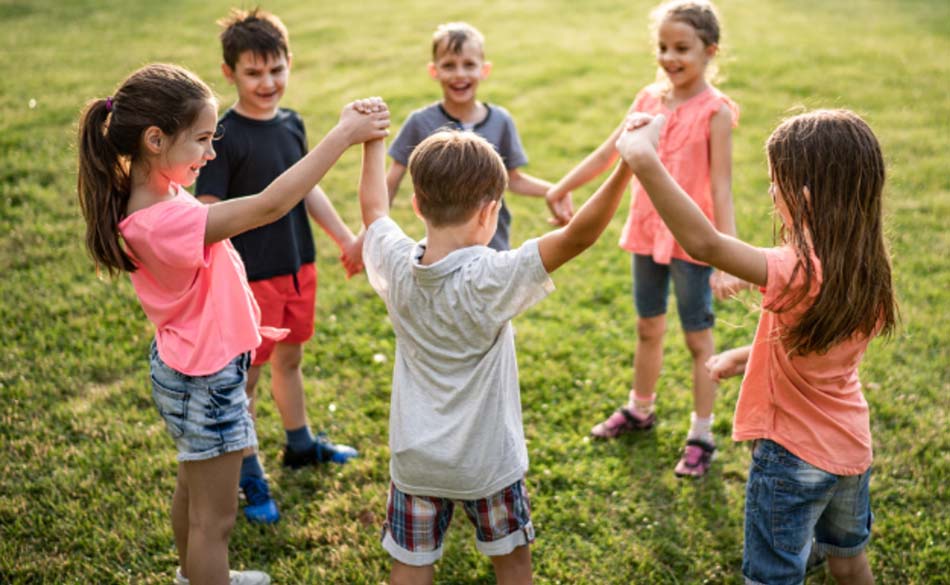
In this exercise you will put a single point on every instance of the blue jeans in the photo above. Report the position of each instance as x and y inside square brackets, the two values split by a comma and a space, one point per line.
[651, 288]
[206, 416]
[790, 502]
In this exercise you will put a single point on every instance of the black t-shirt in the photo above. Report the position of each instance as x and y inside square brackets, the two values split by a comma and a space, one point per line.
[250, 155]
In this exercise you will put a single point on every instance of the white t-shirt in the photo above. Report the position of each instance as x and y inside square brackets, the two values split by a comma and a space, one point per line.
[455, 427]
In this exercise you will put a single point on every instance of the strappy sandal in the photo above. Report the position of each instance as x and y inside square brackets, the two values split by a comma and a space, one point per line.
[696, 459]
[623, 420]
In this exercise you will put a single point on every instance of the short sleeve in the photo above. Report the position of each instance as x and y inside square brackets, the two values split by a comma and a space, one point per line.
[724, 100]
[780, 267]
[508, 283]
[509, 147]
[384, 245]
[407, 140]
[215, 177]
[179, 236]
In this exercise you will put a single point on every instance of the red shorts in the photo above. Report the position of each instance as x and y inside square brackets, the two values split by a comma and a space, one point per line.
[284, 304]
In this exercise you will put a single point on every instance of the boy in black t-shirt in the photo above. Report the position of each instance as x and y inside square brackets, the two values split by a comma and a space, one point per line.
[259, 141]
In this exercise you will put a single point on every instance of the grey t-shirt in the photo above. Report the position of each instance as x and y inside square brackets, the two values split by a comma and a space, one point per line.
[497, 128]
[455, 427]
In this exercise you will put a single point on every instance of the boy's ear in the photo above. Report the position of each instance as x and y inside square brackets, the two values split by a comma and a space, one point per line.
[433, 72]
[415, 207]
[487, 213]
[290, 60]
[227, 72]
[486, 69]
[153, 139]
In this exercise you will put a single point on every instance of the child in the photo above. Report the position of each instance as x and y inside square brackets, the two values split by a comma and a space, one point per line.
[137, 152]
[261, 140]
[827, 292]
[455, 422]
[458, 64]
[696, 147]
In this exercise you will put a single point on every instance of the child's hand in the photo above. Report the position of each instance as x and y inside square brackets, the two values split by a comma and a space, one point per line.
[560, 205]
[727, 364]
[363, 120]
[351, 256]
[641, 135]
[725, 285]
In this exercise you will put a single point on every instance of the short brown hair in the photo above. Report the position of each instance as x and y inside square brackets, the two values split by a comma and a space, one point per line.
[253, 30]
[452, 36]
[453, 174]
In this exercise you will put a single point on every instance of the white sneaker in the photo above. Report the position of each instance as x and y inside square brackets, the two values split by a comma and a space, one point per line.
[237, 578]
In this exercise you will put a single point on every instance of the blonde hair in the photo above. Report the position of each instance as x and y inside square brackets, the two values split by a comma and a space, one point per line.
[453, 174]
[701, 15]
[452, 36]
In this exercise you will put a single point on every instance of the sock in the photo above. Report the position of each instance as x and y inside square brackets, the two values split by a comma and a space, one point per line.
[300, 440]
[642, 406]
[251, 468]
[700, 428]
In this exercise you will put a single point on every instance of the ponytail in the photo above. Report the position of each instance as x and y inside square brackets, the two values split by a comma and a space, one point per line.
[103, 187]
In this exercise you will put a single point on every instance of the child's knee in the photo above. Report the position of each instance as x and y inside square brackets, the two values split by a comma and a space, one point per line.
[849, 569]
[700, 344]
[651, 329]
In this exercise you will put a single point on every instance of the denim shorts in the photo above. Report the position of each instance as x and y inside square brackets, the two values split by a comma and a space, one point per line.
[416, 525]
[789, 505]
[651, 288]
[206, 416]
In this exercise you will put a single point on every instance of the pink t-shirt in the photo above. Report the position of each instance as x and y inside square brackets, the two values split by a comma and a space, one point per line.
[197, 296]
[812, 405]
[684, 151]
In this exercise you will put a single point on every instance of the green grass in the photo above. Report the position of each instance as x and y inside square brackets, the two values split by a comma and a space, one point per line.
[88, 471]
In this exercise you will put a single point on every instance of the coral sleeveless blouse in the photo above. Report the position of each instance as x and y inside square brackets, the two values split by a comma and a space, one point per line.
[684, 151]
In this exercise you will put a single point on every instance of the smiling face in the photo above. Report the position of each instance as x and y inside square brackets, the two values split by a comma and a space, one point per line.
[460, 72]
[260, 82]
[682, 55]
[191, 148]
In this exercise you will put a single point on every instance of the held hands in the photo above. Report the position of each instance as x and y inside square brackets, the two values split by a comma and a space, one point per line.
[351, 256]
[365, 119]
[560, 205]
[638, 141]
[728, 363]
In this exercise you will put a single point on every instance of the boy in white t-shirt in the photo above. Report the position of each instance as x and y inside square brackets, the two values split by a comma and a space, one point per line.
[455, 423]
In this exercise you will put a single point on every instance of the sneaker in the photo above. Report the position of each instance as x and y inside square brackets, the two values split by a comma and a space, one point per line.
[322, 452]
[696, 459]
[259, 507]
[237, 578]
[623, 420]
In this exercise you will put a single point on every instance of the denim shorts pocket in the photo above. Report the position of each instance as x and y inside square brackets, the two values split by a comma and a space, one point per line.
[172, 405]
[797, 505]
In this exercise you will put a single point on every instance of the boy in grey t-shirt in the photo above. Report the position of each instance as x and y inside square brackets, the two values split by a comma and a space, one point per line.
[455, 423]
[459, 65]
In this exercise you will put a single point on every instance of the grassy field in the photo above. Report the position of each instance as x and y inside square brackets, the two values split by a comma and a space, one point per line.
[88, 470]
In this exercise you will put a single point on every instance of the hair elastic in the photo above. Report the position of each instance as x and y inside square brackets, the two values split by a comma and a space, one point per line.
[109, 104]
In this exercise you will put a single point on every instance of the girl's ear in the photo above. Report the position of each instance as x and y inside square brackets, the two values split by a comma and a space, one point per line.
[711, 50]
[153, 140]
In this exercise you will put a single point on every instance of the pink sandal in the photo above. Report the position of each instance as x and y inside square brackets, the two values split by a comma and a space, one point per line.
[696, 459]
[623, 420]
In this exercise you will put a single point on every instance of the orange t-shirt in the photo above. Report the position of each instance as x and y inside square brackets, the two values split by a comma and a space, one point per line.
[812, 405]
[684, 151]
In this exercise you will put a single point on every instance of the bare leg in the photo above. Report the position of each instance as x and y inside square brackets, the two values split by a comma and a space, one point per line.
[648, 359]
[180, 517]
[514, 568]
[851, 570]
[253, 375]
[212, 508]
[287, 384]
[402, 574]
[702, 347]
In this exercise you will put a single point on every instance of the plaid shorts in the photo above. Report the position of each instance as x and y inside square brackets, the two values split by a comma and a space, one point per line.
[416, 525]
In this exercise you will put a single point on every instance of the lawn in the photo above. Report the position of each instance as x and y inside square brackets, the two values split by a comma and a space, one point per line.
[88, 470]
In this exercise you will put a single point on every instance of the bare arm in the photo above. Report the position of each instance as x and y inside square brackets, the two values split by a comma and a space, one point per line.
[374, 199]
[321, 210]
[208, 199]
[393, 179]
[593, 165]
[585, 227]
[681, 214]
[235, 216]
[561, 208]
[720, 170]
[728, 363]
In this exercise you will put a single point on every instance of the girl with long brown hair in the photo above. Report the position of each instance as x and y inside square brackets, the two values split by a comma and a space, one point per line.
[826, 293]
[138, 149]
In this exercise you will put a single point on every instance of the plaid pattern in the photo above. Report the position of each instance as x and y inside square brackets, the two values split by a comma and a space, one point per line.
[419, 523]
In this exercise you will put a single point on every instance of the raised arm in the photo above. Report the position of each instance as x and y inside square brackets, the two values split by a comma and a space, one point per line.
[322, 211]
[585, 227]
[234, 216]
[374, 197]
[680, 213]
[393, 178]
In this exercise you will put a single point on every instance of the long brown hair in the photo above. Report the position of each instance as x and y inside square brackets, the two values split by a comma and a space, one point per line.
[110, 129]
[828, 171]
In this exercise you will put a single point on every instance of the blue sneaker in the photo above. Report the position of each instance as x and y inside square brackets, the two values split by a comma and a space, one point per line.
[322, 452]
[259, 507]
